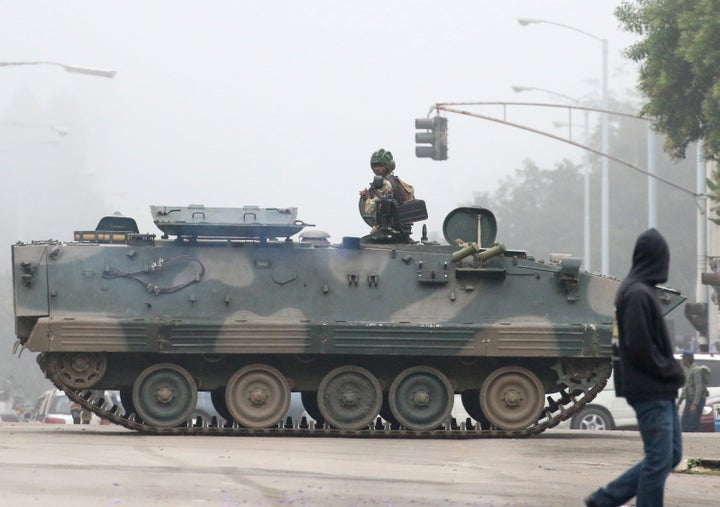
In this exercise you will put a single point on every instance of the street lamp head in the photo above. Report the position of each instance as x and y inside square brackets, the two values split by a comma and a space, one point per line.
[527, 21]
[518, 89]
[89, 71]
[60, 130]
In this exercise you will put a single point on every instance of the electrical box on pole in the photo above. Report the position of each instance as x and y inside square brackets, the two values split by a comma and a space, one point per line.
[433, 142]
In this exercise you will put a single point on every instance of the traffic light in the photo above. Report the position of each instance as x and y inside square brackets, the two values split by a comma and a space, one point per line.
[435, 136]
[697, 315]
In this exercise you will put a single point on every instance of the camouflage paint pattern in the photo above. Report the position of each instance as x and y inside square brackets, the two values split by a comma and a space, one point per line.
[291, 299]
[305, 308]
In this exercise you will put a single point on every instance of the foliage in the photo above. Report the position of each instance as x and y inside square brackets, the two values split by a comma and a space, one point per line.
[679, 56]
[713, 192]
[526, 207]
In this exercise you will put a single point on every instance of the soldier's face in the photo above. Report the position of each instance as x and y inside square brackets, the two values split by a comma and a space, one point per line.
[380, 170]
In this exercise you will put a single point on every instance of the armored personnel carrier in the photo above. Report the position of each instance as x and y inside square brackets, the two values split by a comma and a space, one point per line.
[378, 334]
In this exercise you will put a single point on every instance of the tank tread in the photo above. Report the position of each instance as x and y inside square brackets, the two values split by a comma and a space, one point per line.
[556, 411]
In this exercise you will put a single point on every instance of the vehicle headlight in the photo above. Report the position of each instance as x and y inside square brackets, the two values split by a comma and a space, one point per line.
[707, 410]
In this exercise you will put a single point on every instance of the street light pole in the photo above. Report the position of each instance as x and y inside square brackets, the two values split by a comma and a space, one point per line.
[701, 292]
[586, 168]
[75, 69]
[605, 183]
[605, 193]
[651, 183]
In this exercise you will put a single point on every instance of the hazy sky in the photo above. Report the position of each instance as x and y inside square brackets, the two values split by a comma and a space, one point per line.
[280, 103]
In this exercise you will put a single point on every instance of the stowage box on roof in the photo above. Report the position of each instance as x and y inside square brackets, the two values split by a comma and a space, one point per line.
[243, 222]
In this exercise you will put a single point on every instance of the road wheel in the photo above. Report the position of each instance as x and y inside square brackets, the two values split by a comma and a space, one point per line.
[164, 395]
[257, 396]
[421, 398]
[349, 397]
[512, 398]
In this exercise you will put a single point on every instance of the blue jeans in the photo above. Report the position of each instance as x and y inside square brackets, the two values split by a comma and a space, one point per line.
[661, 434]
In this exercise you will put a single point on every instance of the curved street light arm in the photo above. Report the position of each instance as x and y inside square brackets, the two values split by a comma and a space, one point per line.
[529, 21]
[443, 107]
[75, 69]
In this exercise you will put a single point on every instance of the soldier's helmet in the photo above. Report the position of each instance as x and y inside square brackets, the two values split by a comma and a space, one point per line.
[383, 158]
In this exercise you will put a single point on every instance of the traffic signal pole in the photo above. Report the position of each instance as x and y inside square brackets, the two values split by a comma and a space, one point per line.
[420, 138]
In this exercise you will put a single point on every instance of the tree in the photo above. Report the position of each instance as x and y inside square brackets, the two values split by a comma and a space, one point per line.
[679, 56]
[713, 191]
[532, 209]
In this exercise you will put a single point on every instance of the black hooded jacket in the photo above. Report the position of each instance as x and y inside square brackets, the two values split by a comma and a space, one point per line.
[648, 370]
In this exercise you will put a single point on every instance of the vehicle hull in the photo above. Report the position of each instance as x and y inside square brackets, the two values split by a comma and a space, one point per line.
[382, 319]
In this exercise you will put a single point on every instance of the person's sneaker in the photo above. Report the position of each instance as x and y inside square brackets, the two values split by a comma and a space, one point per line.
[589, 502]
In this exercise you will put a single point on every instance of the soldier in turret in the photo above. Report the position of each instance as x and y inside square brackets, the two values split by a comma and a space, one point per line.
[383, 165]
[380, 202]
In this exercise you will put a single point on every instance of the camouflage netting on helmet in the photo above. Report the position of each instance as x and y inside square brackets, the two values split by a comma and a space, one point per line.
[383, 158]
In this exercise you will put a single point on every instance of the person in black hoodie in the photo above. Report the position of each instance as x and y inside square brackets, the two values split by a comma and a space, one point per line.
[648, 376]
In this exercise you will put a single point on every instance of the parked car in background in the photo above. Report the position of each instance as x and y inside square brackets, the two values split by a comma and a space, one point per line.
[608, 412]
[7, 412]
[53, 407]
[707, 420]
[605, 412]
[8, 403]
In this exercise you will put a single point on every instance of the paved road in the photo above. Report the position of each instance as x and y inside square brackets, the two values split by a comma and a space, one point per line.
[58, 466]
